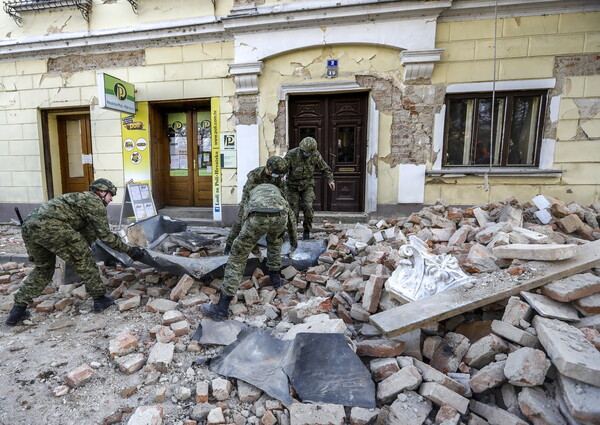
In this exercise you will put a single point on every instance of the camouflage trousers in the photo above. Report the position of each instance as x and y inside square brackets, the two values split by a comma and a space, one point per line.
[252, 229]
[45, 241]
[302, 199]
[236, 228]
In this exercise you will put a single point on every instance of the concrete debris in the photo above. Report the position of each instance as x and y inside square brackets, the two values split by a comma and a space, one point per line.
[487, 363]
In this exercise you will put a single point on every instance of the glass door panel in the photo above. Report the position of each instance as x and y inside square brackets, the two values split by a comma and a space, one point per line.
[178, 145]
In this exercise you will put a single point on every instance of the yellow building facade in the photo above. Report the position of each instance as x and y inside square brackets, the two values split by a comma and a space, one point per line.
[398, 95]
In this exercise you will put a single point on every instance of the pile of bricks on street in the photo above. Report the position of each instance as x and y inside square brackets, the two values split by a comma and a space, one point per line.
[531, 358]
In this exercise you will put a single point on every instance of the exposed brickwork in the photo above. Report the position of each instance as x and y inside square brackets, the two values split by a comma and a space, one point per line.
[279, 123]
[412, 108]
[76, 63]
[245, 109]
[572, 66]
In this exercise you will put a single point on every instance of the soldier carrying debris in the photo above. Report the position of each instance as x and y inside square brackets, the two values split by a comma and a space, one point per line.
[266, 211]
[65, 226]
[272, 173]
[300, 184]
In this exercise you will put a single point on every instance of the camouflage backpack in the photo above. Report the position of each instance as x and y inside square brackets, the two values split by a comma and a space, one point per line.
[266, 198]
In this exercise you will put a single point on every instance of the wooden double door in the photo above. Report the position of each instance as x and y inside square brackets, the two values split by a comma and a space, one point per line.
[182, 166]
[339, 124]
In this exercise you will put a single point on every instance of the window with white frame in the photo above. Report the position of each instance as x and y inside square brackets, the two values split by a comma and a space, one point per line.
[516, 122]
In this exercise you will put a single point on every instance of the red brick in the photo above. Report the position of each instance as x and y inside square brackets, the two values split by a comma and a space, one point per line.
[380, 348]
[79, 376]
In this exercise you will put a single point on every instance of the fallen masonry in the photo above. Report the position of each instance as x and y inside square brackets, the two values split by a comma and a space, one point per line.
[522, 336]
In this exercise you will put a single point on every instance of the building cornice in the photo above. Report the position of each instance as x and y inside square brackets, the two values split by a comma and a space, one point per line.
[325, 12]
[205, 29]
[244, 20]
[464, 10]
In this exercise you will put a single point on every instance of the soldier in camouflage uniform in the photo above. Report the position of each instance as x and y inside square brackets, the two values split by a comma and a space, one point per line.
[300, 184]
[272, 173]
[266, 211]
[65, 226]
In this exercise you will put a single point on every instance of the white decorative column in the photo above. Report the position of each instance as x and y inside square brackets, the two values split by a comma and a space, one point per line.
[245, 76]
[419, 63]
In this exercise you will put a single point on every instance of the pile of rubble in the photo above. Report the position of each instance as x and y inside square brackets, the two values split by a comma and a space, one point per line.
[531, 358]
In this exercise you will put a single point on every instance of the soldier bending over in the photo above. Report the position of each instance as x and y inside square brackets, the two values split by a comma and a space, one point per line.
[65, 226]
[268, 212]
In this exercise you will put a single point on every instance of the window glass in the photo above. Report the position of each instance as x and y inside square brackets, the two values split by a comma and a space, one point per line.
[345, 144]
[459, 131]
[525, 113]
[482, 149]
[204, 144]
[74, 151]
[516, 127]
[178, 144]
[308, 132]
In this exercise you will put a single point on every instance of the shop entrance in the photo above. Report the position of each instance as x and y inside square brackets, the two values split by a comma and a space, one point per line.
[181, 136]
[339, 124]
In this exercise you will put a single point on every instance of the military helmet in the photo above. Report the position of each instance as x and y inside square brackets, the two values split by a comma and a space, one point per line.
[308, 145]
[277, 165]
[105, 185]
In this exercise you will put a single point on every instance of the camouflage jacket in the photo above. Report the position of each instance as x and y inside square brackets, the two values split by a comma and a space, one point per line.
[83, 212]
[269, 198]
[256, 177]
[301, 171]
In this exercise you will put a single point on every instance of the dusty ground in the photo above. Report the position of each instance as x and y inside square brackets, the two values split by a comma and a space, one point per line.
[11, 241]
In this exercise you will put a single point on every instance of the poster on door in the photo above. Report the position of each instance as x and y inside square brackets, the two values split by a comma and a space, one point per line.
[136, 146]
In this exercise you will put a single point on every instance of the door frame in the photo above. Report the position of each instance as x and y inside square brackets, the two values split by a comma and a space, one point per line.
[327, 123]
[50, 137]
[371, 182]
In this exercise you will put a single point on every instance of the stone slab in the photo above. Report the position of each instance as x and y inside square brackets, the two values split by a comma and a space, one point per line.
[572, 354]
[588, 305]
[581, 399]
[495, 415]
[539, 252]
[440, 395]
[514, 334]
[455, 301]
[589, 322]
[550, 308]
[573, 287]
[410, 408]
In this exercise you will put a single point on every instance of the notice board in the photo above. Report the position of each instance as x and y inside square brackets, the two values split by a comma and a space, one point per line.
[138, 201]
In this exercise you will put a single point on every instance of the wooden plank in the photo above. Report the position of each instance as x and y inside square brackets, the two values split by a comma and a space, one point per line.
[453, 302]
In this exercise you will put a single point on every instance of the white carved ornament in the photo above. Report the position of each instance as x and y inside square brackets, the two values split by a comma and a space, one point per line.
[421, 274]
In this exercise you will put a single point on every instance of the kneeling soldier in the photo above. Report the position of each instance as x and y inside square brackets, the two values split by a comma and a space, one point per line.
[266, 211]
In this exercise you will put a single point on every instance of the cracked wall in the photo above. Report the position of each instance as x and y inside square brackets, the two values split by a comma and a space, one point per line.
[308, 67]
[412, 108]
[579, 114]
[76, 63]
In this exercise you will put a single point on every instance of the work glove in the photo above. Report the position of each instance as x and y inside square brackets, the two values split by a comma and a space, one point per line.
[136, 253]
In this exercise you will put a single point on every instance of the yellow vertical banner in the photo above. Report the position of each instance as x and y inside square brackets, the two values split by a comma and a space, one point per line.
[215, 122]
[135, 145]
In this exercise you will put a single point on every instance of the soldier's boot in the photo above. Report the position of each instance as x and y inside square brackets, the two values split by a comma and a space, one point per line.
[18, 313]
[275, 279]
[227, 249]
[102, 303]
[306, 235]
[219, 310]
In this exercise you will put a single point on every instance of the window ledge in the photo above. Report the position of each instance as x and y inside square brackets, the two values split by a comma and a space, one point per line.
[503, 171]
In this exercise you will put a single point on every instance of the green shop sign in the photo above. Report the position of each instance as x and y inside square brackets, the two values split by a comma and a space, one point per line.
[116, 94]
